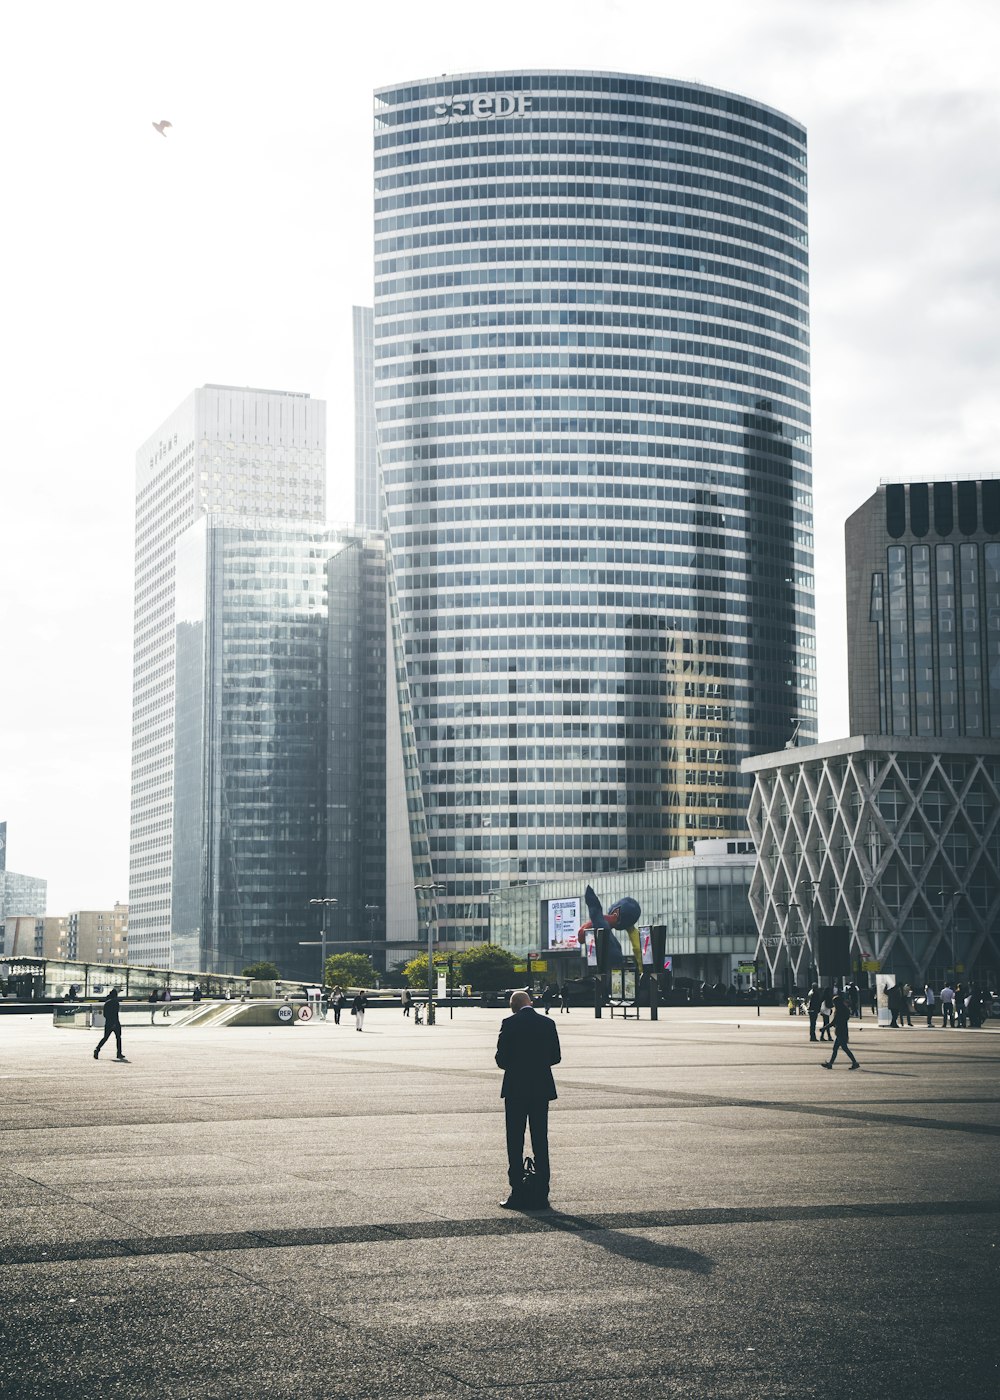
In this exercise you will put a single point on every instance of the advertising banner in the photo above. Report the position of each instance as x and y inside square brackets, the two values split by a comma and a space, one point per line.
[563, 923]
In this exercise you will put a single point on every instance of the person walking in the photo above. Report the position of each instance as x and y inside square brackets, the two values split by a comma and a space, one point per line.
[407, 1001]
[960, 1007]
[929, 1002]
[337, 1002]
[112, 1024]
[527, 1048]
[548, 995]
[564, 998]
[813, 1005]
[825, 1012]
[359, 1006]
[947, 1000]
[841, 1027]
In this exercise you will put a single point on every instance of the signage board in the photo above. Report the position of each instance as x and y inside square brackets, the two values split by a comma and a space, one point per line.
[563, 923]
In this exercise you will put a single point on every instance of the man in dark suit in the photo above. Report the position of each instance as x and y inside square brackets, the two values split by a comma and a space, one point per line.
[527, 1048]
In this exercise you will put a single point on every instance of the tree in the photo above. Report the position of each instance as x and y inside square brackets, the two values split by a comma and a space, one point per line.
[262, 972]
[486, 966]
[415, 970]
[349, 970]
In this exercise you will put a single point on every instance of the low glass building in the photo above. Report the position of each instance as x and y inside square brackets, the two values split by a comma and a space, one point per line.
[700, 899]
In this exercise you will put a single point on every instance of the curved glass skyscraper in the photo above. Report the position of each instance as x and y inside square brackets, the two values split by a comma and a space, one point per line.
[592, 395]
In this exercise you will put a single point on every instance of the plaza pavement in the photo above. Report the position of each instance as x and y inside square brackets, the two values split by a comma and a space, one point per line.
[310, 1212]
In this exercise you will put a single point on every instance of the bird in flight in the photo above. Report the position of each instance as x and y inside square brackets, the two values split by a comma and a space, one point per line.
[161, 127]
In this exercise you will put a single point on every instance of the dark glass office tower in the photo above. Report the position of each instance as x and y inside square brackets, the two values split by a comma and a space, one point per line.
[279, 793]
[592, 395]
[923, 610]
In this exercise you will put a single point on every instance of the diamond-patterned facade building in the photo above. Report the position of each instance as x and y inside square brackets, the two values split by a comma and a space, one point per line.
[896, 838]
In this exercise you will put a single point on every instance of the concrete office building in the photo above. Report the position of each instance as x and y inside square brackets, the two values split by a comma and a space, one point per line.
[923, 610]
[279, 764]
[893, 833]
[90, 935]
[896, 839]
[19, 894]
[592, 395]
[244, 452]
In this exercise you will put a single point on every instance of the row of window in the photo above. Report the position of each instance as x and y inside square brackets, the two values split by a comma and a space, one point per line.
[747, 219]
[643, 364]
[456, 185]
[655, 426]
[488, 320]
[538, 134]
[638, 269]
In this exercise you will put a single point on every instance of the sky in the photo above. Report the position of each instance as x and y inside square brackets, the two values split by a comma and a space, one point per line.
[137, 267]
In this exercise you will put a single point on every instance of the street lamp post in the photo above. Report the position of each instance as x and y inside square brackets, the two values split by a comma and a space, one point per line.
[371, 910]
[430, 888]
[324, 904]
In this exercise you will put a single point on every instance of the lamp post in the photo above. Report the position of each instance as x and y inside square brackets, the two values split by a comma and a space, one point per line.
[371, 910]
[430, 888]
[324, 904]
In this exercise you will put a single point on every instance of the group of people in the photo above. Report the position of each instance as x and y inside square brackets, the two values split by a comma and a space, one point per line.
[959, 1006]
[334, 998]
[551, 995]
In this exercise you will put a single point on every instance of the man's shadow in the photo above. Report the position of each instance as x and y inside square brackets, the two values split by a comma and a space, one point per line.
[631, 1247]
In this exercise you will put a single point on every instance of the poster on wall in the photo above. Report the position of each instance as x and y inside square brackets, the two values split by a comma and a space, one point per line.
[883, 982]
[564, 923]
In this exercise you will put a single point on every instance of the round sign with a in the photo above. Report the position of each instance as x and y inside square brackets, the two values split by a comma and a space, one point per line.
[305, 1013]
[284, 1014]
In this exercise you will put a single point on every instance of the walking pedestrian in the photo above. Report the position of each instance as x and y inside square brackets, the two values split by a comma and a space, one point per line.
[112, 1024]
[825, 1012]
[154, 997]
[359, 1006]
[337, 1002]
[407, 1001]
[548, 996]
[564, 998]
[527, 1048]
[929, 1003]
[947, 1000]
[841, 1028]
[894, 998]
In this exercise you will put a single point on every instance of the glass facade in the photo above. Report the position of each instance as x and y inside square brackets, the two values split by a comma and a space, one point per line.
[702, 900]
[279, 760]
[925, 661]
[249, 452]
[591, 381]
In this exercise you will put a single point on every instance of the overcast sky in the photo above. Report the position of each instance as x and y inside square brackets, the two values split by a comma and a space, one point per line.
[139, 267]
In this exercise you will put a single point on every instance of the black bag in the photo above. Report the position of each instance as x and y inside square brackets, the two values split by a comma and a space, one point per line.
[530, 1189]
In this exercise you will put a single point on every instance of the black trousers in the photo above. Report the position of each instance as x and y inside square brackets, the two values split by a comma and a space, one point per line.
[522, 1113]
[840, 1043]
[109, 1031]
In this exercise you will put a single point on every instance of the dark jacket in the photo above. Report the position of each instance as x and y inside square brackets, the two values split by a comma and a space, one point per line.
[360, 1003]
[841, 1017]
[112, 1009]
[527, 1048]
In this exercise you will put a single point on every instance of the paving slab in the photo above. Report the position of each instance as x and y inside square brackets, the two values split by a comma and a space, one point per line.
[309, 1212]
